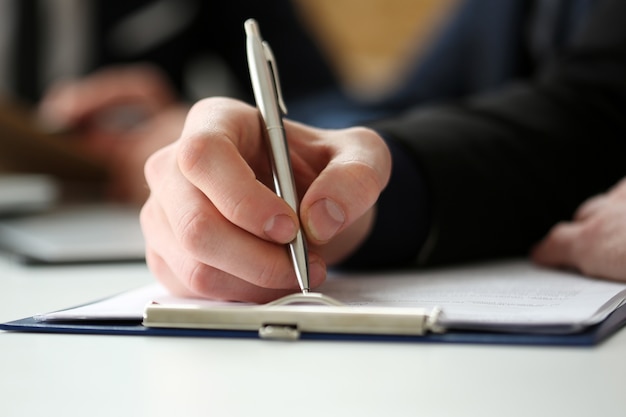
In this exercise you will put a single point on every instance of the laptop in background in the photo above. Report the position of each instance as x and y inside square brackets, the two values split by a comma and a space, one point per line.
[75, 234]
[38, 170]
[26, 193]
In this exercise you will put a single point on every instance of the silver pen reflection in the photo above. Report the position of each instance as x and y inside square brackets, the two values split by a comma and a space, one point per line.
[268, 97]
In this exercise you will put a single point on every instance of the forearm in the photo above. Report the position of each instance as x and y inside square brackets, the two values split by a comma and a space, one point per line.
[496, 189]
[502, 169]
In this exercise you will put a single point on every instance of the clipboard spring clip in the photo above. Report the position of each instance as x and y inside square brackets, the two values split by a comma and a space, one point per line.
[327, 314]
[289, 317]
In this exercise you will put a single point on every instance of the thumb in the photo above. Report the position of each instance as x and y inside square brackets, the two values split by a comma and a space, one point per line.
[349, 185]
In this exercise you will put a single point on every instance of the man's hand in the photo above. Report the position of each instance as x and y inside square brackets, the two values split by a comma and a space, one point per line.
[215, 227]
[594, 242]
[122, 115]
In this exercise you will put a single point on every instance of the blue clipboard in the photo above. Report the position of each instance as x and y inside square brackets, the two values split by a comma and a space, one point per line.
[590, 336]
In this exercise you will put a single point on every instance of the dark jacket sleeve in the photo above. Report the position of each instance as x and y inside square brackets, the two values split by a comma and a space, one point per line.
[501, 169]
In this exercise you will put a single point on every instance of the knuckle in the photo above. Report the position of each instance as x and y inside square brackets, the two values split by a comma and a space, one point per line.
[271, 273]
[364, 183]
[209, 282]
[192, 230]
[191, 152]
[156, 264]
[267, 275]
[592, 230]
[199, 278]
[372, 141]
[153, 165]
[374, 150]
[239, 206]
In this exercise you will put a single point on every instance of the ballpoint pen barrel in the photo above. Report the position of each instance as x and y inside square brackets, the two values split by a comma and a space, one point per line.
[281, 167]
[298, 250]
[283, 174]
[267, 96]
[263, 83]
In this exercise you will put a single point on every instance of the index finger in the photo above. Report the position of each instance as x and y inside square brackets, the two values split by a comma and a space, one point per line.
[222, 153]
[558, 248]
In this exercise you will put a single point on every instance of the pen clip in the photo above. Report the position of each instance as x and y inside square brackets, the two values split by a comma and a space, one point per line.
[269, 56]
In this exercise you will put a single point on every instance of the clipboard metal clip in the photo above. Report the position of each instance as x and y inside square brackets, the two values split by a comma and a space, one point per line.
[290, 331]
[288, 317]
[279, 332]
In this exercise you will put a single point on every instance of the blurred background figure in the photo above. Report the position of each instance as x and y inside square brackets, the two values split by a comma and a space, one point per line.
[90, 88]
[198, 45]
[121, 73]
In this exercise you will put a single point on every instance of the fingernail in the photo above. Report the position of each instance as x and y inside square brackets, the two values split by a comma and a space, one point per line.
[325, 219]
[280, 228]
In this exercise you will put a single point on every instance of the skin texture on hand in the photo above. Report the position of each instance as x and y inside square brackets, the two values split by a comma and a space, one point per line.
[594, 242]
[214, 226]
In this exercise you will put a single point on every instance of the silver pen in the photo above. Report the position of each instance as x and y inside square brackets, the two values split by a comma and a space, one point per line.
[268, 97]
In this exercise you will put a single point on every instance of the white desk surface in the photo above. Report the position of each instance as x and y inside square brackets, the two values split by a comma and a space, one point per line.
[95, 375]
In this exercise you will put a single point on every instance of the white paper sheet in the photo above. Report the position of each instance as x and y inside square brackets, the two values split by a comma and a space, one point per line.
[497, 295]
